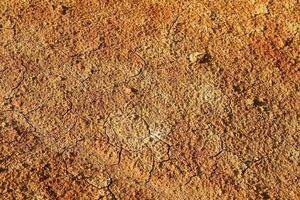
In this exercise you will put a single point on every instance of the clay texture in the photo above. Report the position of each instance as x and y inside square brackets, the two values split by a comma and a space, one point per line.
[149, 99]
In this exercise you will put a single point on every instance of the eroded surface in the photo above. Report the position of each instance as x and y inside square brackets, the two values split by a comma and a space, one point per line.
[149, 99]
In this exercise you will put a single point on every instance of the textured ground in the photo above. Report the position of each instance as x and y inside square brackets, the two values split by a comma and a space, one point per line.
[149, 99]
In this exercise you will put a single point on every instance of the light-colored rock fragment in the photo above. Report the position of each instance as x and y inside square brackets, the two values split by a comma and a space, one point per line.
[193, 57]
[261, 9]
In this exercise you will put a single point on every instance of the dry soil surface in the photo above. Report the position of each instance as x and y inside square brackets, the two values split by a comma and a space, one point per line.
[149, 99]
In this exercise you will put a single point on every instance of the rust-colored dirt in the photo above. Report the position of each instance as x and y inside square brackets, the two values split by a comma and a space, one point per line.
[149, 99]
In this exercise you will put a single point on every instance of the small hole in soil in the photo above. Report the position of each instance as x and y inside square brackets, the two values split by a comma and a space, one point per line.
[134, 91]
[206, 58]
[237, 89]
[258, 103]
[288, 42]
[65, 9]
[265, 195]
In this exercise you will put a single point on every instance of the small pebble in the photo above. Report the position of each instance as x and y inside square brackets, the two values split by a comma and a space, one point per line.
[193, 57]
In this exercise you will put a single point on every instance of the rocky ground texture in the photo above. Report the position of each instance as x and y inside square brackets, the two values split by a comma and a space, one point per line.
[150, 99]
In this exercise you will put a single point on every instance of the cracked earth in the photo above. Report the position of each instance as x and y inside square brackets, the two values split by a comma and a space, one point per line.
[149, 99]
